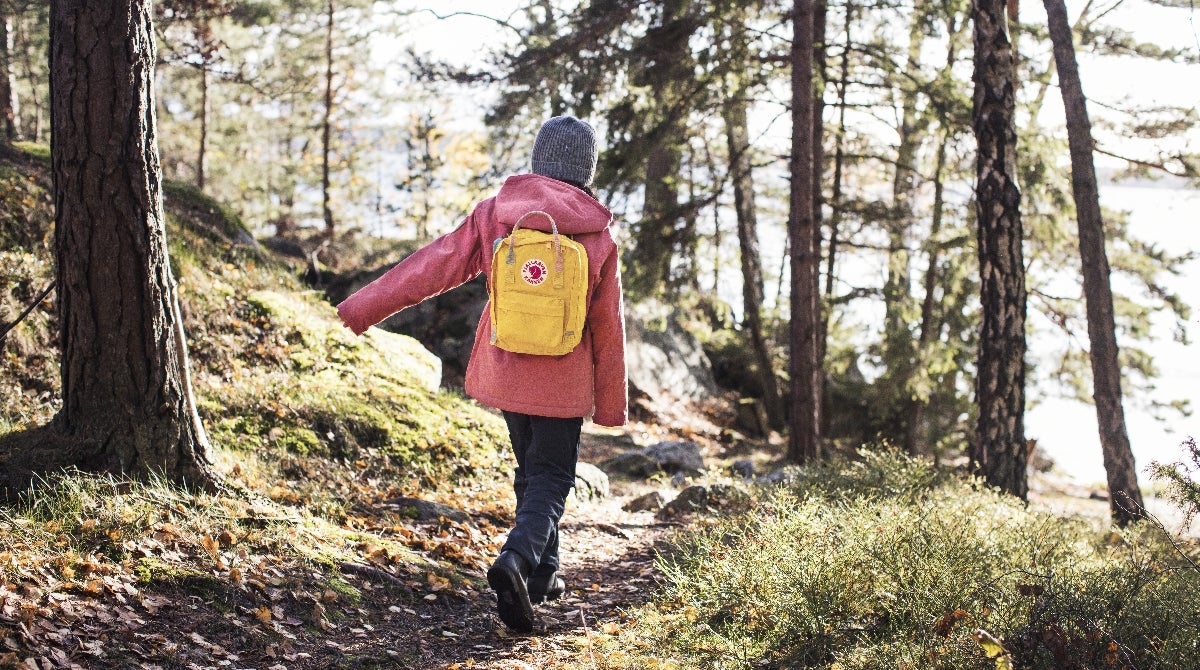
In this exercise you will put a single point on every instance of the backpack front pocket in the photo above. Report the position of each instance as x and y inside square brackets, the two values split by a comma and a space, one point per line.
[530, 324]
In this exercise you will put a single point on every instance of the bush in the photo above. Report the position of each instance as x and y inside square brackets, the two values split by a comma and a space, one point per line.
[1182, 480]
[886, 564]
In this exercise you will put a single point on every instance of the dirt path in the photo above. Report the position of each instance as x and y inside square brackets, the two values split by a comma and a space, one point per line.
[609, 567]
[608, 561]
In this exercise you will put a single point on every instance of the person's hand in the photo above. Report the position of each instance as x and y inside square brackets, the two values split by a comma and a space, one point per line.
[349, 321]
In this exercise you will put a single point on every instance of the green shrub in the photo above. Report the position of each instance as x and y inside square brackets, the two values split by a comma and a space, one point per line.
[1182, 479]
[885, 563]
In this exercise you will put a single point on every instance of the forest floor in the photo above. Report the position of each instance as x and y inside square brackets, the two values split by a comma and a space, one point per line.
[188, 594]
[608, 562]
[219, 600]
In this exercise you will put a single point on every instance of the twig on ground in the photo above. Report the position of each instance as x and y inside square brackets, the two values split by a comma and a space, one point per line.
[371, 573]
[587, 631]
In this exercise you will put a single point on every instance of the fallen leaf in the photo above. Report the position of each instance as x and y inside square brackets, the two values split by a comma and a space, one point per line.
[437, 582]
[211, 546]
[263, 614]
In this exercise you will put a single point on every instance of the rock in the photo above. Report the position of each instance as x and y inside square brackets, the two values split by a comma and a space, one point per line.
[444, 324]
[752, 417]
[630, 464]
[704, 498]
[665, 361]
[690, 500]
[426, 510]
[785, 475]
[650, 502]
[590, 482]
[725, 497]
[743, 467]
[676, 456]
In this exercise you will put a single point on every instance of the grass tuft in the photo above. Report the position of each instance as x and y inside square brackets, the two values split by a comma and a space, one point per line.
[886, 563]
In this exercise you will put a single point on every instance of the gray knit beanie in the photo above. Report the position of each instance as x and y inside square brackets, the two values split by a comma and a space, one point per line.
[565, 149]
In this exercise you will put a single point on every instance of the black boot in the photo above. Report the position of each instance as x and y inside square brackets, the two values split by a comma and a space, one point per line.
[507, 578]
[545, 587]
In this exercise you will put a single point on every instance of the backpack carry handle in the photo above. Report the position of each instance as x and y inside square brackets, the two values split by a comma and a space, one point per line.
[558, 254]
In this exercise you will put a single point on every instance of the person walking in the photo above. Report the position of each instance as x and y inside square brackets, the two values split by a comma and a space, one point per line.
[544, 399]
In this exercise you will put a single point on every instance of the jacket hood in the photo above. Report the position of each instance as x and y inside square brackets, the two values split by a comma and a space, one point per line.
[573, 210]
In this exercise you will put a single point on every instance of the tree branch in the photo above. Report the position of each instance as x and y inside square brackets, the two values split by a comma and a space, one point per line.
[40, 298]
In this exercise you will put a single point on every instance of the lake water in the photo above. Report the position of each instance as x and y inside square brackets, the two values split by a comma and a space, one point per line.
[1067, 429]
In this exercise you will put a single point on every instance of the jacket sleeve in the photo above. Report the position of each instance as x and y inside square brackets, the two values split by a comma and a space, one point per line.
[449, 261]
[606, 321]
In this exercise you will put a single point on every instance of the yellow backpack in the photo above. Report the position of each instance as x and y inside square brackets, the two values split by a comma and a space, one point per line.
[538, 291]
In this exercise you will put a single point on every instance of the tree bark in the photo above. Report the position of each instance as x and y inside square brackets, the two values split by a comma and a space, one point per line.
[327, 123]
[663, 229]
[820, 22]
[9, 109]
[899, 350]
[32, 132]
[835, 217]
[202, 149]
[998, 452]
[804, 443]
[737, 135]
[1124, 495]
[127, 406]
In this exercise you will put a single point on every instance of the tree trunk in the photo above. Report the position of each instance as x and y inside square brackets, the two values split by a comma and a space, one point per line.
[820, 20]
[835, 217]
[916, 410]
[9, 110]
[747, 230]
[663, 229]
[899, 352]
[327, 123]
[202, 150]
[34, 133]
[127, 399]
[804, 443]
[998, 452]
[931, 323]
[1124, 496]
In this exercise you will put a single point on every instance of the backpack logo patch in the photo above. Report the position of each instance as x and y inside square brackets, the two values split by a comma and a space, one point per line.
[533, 271]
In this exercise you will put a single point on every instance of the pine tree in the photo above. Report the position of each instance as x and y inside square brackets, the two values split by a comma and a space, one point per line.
[806, 372]
[1124, 495]
[127, 405]
[999, 450]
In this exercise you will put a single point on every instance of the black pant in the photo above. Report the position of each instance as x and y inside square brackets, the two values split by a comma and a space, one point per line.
[546, 450]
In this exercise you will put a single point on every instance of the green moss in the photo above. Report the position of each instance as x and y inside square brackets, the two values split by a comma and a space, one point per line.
[345, 589]
[334, 394]
[185, 199]
[150, 570]
[40, 152]
[271, 363]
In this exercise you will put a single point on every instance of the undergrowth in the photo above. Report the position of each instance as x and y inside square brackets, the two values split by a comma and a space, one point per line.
[275, 373]
[887, 563]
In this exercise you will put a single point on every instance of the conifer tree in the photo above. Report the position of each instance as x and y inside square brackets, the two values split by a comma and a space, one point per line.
[805, 367]
[999, 449]
[1124, 495]
[127, 403]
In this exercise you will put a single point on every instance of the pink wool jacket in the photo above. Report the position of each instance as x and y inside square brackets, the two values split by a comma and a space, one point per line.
[589, 380]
